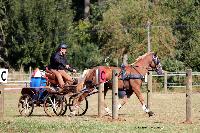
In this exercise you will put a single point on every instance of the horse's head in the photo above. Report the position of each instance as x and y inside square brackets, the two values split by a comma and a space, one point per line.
[156, 65]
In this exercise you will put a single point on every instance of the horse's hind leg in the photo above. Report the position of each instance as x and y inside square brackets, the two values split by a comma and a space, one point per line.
[108, 111]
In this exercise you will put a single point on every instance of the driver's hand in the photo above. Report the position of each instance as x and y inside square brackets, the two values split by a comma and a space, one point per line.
[74, 70]
[67, 66]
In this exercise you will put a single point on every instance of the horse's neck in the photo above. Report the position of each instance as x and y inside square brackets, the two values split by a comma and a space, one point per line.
[142, 66]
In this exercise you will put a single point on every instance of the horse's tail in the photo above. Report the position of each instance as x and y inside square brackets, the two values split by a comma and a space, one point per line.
[80, 86]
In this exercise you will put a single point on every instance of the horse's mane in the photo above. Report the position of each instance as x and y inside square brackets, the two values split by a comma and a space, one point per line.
[141, 57]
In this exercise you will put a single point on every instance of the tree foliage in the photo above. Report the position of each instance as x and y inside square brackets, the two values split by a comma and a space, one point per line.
[84, 51]
[125, 29]
[188, 33]
[31, 30]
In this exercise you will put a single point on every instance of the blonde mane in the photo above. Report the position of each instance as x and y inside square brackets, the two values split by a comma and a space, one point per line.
[141, 57]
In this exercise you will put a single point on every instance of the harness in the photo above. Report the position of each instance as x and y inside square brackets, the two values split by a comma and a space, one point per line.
[125, 76]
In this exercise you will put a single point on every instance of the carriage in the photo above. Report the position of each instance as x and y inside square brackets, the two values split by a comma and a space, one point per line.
[57, 103]
[44, 95]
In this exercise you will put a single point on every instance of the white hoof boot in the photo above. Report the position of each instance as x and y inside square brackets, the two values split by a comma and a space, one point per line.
[108, 111]
[72, 113]
[119, 106]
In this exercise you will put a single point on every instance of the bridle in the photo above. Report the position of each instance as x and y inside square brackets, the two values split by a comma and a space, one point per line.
[156, 62]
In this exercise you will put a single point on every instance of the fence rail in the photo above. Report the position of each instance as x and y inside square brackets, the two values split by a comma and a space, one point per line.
[180, 83]
[23, 79]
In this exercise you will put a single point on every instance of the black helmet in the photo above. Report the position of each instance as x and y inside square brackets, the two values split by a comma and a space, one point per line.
[63, 45]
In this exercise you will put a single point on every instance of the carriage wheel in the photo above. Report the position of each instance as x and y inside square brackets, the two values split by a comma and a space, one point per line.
[25, 105]
[53, 105]
[82, 108]
[65, 104]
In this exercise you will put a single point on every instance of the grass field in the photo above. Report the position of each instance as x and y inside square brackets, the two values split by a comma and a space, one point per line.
[169, 112]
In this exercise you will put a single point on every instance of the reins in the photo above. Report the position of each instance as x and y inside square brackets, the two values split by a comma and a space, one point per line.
[141, 67]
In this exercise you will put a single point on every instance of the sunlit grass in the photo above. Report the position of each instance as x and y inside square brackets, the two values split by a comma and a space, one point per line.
[169, 110]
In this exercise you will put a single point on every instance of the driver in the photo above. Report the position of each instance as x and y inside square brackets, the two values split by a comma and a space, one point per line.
[58, 65]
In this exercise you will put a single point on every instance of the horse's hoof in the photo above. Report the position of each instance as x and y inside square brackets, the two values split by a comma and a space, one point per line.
[71, 114]
[150, 113]
[108, 114]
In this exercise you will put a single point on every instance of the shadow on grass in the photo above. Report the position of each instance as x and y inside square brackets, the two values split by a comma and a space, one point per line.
[35, 116]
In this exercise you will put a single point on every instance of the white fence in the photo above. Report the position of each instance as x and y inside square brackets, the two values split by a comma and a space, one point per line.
[19, 79]
[180, 79]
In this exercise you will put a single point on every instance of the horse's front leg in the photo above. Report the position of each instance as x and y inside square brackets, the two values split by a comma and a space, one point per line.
[123, 102]
[141, 99]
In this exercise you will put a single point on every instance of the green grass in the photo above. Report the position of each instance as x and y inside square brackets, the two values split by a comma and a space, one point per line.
[169, 110]
[90, 126]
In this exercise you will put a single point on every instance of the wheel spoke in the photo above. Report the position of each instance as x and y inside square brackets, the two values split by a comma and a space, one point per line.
[25, 105]
[53, 106]
[82, 108]
[22, 110]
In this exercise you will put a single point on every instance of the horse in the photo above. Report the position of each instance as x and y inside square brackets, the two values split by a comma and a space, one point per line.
[130, 79]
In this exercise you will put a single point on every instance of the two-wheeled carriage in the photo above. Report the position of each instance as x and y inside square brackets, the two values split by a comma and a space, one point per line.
[46, 95]
[39, 97]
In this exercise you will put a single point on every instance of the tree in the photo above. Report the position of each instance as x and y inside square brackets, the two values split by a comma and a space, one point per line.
[5, 11]
[34, 29]
[187, 30]
[123, 29]
[84, 52]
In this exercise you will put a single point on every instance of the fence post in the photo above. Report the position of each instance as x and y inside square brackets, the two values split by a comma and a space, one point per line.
[100, 94]
[1, 102]
[188, 96]
[21, 71]
[100, 99]
[165, 81]
[115, 95]
[149, 89]
[99, 103]
[30, 72]
[3, 79]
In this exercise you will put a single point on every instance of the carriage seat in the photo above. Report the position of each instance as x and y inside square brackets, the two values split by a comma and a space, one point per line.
[51, 77]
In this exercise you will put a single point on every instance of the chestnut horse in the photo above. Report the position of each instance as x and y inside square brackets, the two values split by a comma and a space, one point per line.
[130, 79]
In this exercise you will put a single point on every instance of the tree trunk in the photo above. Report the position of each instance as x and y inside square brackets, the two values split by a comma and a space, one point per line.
[100, 2]
[125, 59]
[2, 34]
[155, 2]
[87, 9]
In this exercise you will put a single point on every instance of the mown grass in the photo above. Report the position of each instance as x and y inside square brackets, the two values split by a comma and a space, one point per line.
[91, 126]
[169, 110]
